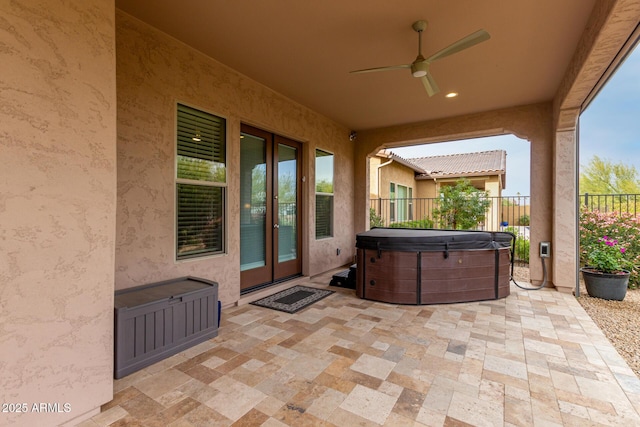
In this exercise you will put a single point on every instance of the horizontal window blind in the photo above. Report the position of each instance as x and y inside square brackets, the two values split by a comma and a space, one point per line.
[324, 216]
[200, 220]
[201, 145]
[200, 183]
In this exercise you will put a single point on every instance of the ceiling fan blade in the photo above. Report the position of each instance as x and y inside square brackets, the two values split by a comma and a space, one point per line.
[464, 43]
[430, 84]
[372, 70]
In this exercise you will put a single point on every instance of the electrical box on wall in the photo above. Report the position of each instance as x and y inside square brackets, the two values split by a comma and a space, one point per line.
[545, 249]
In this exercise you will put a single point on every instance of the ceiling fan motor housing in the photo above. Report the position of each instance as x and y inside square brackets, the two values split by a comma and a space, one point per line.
[419, 67]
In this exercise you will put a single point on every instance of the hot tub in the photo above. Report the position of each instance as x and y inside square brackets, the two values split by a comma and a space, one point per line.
[418, 266]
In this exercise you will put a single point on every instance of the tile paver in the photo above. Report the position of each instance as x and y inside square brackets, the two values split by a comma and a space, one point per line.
[533, 358]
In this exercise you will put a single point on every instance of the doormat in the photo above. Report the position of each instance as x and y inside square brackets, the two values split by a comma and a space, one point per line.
[293, 299]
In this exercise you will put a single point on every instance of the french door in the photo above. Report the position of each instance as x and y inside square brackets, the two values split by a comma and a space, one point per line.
[270, 196]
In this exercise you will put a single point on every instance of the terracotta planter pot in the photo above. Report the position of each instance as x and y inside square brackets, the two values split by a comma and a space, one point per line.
[610, 286]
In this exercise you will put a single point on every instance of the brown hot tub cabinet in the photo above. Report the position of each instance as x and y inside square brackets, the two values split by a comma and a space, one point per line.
[417, 266]
[158, 320]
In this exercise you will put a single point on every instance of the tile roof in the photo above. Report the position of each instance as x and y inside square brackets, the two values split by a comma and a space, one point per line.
[406, 162]
[465, 164]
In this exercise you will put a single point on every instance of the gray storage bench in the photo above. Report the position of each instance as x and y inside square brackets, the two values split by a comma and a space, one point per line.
[160, 319]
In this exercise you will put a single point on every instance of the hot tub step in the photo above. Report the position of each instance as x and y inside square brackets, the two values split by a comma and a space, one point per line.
[344, 279]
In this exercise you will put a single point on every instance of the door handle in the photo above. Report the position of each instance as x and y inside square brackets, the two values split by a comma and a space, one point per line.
[276, 226]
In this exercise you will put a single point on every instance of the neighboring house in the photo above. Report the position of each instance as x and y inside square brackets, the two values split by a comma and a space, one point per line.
[407, 187]
[143, 141]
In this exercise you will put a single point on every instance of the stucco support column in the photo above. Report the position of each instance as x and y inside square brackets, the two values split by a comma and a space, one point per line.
[361, 184]
[540, 135]
[564, 246]
[608, 37]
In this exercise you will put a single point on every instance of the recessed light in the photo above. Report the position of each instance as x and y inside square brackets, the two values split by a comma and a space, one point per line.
[451, 94]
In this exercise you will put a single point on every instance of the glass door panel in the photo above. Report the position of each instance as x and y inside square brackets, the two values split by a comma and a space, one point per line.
[255, 210]
[287, 262]
[287, 203]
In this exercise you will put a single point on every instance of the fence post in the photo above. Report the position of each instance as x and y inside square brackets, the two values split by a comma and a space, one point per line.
[586, 200]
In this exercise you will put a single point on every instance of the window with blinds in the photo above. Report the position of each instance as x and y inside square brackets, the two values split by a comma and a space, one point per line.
[324, 194]
[392, 202]
[200, 183]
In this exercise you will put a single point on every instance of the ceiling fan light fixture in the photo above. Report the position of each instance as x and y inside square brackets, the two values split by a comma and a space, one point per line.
[419, 69]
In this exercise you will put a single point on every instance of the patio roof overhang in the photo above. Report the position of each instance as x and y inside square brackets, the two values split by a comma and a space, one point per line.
[306, 52]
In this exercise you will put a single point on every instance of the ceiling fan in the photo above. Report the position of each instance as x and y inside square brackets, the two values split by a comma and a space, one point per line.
[420, 66]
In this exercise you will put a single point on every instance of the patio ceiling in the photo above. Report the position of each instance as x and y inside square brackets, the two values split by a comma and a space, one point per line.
[305, 51]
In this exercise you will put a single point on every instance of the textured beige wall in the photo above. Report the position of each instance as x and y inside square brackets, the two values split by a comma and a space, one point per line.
[492, 185]
[399, 175]
[426, 189]
[57, 207]
[566, 213]
[155, 71]
[374, 162]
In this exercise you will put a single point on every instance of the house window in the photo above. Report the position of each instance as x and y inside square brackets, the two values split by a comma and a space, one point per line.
[392, 202]
[324, 194]
[410, 204]
[200, 183]
[400, 202]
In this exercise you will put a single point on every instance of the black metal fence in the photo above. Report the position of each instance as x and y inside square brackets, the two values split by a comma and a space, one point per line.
[511, 213]
[423, 213]
[503, 213]
[628, 203]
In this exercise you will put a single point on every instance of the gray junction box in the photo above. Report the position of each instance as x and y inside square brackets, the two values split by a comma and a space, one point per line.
[158, 320]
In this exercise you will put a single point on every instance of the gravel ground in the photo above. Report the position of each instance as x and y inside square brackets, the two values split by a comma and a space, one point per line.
[619, 320]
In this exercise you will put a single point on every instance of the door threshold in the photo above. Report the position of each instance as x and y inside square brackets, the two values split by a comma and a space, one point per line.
[270, 289]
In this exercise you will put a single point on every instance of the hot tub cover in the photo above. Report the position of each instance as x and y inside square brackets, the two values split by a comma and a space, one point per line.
[430, 240]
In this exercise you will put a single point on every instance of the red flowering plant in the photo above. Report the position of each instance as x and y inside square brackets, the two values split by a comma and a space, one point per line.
[608, 256]
[610, 242]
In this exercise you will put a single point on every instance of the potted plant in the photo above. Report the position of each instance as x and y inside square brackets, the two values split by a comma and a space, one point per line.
[605, 275]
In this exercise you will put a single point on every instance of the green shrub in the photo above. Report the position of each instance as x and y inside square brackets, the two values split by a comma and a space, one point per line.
[623, 227]
[522, 249]
[418, 223]
[462, 207]
[524, 220]
[375, 220]
[522, 245]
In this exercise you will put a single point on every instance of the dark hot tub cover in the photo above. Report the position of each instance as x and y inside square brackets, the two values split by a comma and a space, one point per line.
[431, 240]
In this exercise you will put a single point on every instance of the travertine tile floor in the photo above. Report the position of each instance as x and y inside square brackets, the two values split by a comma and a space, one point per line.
[532, 359]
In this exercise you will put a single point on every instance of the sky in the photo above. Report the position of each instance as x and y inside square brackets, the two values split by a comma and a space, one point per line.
[609, 128]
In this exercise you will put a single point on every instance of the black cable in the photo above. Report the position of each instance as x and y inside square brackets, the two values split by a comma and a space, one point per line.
[544, 279]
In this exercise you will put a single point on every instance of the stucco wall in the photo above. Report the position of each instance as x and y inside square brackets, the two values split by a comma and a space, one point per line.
[399, 175]
[426, 189]
[374, 162]
[57, 207]
[154, 71]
